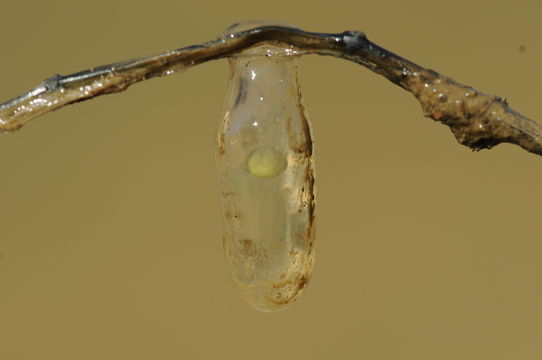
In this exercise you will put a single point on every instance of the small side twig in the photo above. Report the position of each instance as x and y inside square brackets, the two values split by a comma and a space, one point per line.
[477, 120]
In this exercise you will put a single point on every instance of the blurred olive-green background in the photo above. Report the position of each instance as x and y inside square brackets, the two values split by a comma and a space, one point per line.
[110, 215]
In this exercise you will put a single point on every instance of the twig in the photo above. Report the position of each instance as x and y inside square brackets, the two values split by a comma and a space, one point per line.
[477, 120]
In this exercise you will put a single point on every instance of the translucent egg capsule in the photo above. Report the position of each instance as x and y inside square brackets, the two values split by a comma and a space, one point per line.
[265, 166]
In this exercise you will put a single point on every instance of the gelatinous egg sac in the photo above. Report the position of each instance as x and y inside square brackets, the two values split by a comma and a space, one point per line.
[265, 167]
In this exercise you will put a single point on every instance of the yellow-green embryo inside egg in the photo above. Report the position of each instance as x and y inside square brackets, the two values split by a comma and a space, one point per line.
[266, 162]
[265, 168]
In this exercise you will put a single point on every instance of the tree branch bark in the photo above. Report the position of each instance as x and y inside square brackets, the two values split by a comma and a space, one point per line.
[477, 120]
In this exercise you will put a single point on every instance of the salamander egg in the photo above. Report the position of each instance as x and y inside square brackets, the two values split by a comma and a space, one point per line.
[266, 162]
[265, 165]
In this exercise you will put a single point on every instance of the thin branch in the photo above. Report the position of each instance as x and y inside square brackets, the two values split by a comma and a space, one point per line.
[477, 120]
